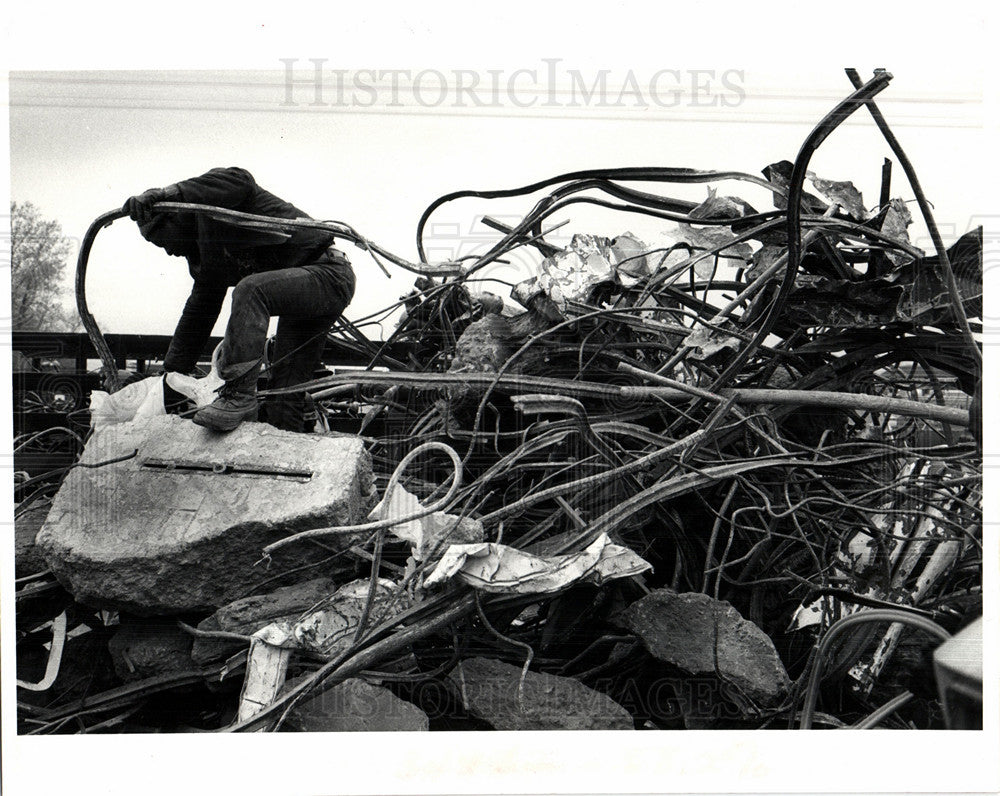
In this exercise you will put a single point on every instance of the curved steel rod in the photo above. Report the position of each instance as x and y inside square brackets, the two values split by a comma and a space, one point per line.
[111, 380]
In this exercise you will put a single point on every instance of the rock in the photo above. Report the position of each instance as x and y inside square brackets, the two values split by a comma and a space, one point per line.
[707, 637]
[139, 536]
[27, 557]
[484, 346]
[146, 648]
[489, 691]
[487, 344]
[250, 614]
[356, 706]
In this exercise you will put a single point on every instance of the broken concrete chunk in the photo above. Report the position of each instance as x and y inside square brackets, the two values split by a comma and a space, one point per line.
[490, 303]
[488, 344]
[489, 691]
[144, 648]
[250, 614]
[484, 346]
[706, 637]
[27, 557]
[356, 706]
[173, 517]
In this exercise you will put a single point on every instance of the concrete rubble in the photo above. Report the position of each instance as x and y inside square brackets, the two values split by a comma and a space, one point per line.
[170, 517]
[489, 689]
[708, 638]
[357, 706]
[144, 648]
[28, 559]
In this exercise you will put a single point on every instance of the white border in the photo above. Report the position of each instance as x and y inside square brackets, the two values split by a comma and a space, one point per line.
[943, 37]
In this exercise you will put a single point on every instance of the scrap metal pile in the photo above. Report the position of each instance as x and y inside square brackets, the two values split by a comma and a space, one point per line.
[640, 491]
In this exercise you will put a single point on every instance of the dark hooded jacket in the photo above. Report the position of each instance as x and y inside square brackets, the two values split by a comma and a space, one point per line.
[223, 252]
[220, 253]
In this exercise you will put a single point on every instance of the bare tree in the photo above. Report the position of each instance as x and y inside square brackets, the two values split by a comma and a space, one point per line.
[38, 258]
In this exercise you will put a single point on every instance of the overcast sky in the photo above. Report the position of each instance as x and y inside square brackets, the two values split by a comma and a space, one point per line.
[373, 147]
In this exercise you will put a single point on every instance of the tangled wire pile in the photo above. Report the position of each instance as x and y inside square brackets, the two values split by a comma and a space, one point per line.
[772, 409]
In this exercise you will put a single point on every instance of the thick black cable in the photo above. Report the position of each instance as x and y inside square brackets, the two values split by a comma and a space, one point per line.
[793, 224]
[633, 173]
[837, 629]
[951, 284]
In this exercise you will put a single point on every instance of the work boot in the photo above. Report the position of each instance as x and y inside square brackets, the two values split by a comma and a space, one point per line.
[237, 402]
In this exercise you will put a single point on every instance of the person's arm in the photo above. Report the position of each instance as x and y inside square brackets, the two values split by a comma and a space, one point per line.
[222, 187]
[201, 311]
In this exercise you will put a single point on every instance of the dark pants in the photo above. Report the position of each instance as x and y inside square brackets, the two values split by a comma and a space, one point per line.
[307, 300]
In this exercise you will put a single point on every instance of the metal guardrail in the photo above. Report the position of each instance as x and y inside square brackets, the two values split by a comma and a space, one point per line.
[64, 369]
[142, 349]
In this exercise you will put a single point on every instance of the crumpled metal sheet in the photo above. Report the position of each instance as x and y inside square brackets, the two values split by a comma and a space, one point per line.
[329, 629]
[897, 219]
[572, 274]
[497, 568]
[706, 342]
[914, 292]
[692, 241]
[591, 260]
[631, 258]
[716, 206]
[429, 535]
[842, 193]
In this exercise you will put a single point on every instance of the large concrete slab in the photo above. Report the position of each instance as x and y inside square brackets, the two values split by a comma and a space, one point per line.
[179, 521]
[27, 558]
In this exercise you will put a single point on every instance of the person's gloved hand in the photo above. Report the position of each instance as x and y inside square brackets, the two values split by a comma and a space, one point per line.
[140, 207]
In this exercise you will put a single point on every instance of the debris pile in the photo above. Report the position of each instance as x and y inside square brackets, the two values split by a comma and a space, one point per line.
[637, 493]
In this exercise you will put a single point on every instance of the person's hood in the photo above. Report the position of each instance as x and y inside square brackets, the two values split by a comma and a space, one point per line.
[175, 233]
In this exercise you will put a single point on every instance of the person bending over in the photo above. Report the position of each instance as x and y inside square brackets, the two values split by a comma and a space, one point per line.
[295, 275]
